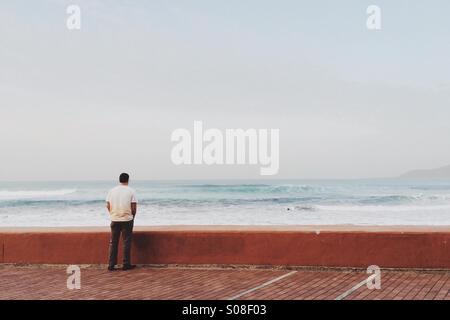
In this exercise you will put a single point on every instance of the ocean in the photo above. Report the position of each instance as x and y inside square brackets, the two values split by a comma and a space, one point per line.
[299, 202]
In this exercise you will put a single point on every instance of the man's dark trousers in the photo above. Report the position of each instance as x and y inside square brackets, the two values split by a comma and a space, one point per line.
[126, 228]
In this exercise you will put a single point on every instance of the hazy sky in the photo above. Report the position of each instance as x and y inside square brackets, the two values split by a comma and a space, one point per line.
[349, 102]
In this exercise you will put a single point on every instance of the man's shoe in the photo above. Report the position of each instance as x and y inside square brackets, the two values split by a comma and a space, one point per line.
[128, 267]
[111, 268]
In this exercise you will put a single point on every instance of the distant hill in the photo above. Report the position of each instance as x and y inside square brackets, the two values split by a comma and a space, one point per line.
[442, 173]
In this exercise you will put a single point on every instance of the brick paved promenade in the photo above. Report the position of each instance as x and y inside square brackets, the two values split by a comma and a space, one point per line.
[214, 283]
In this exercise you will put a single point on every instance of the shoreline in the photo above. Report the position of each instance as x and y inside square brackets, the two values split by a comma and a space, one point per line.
[238, 228]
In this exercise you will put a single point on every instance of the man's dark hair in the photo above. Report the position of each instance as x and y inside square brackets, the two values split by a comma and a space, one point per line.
[124, 177]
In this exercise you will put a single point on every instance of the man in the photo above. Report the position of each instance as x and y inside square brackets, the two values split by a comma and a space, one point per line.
[122, 206]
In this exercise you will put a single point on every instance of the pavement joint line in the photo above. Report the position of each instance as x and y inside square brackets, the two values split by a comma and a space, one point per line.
[265, 284]
[354, 288]
[222, 267]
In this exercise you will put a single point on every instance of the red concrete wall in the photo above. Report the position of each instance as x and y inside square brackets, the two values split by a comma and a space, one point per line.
[2, 254]
[331, 248]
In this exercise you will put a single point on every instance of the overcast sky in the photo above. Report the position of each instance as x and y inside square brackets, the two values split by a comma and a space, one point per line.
[349, 102]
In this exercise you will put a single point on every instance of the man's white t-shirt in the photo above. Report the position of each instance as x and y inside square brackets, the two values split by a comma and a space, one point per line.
[120, 199]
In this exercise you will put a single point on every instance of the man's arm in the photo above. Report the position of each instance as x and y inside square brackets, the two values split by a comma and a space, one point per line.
[133, 208]
[108, 206]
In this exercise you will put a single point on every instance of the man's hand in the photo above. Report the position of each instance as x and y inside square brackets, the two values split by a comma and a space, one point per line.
[133, 208]
[108, 206]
